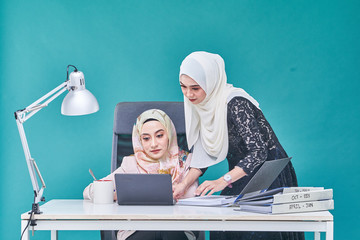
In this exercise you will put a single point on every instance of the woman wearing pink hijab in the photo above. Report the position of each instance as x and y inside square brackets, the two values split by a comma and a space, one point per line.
[155, 152]
[225, 122]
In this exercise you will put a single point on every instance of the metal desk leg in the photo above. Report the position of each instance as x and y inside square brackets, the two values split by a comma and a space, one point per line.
[317, 236]
[54, 235]
[330, 231]
[26, 235]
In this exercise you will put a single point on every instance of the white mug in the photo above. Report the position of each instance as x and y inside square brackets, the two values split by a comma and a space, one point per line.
[103, 192]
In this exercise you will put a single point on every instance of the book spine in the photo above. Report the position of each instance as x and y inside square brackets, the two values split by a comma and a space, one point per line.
[303, 196]
[301, 189]
[303, 206]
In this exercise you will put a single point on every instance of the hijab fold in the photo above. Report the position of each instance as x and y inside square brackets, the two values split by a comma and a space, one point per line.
[206, 122]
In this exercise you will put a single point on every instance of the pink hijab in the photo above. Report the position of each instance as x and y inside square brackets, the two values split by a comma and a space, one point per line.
[172, 163]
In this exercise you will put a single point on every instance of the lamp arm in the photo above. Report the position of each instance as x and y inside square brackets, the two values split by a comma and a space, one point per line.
[30, 164]
[23, 115]
[36, 106]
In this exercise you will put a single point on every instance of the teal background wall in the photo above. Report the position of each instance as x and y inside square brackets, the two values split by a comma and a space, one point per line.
[299, 59]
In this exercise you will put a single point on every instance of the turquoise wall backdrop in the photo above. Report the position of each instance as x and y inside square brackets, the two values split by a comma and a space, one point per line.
[299, 59]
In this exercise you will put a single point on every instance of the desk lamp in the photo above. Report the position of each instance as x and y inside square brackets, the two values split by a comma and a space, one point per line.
[78, 101]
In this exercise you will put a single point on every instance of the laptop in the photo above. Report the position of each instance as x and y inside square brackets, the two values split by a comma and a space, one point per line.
[260, 182]
[144, 189]
[265, 176]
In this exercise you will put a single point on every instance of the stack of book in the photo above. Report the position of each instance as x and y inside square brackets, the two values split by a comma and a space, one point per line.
[287, 200]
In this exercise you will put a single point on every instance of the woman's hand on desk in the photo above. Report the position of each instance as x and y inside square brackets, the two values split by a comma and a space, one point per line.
[210, 187]
[179, 190]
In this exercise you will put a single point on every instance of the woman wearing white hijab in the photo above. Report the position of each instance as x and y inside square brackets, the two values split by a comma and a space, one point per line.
[224, 122]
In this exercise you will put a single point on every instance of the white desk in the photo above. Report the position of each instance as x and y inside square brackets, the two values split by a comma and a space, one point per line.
[83, 215]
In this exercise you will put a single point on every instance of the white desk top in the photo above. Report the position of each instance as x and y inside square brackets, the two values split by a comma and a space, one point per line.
[84, 209]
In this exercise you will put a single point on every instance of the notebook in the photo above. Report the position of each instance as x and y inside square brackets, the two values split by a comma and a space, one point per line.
[144, 189]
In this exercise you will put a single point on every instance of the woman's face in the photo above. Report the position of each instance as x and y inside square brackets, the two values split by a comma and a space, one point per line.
[154, 139]
[191, 89]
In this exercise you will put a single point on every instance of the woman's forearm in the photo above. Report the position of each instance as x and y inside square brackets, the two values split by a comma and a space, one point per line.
[236, 173]
[180, 188]
[192, 176]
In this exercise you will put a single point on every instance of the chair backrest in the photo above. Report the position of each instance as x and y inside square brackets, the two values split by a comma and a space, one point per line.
[124, 120]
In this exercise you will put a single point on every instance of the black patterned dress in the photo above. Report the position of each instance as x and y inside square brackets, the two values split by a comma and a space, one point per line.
[251, 142]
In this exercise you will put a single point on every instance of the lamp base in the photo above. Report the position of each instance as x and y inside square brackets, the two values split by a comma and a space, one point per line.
[35, 209]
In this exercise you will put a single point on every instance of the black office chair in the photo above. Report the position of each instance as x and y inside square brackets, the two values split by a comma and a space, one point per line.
[124, 119]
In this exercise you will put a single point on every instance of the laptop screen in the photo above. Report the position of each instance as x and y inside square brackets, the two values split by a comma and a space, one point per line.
[265, 176]
[144, 189]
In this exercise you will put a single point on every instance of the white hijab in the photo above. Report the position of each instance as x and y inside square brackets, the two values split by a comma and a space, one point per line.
[206, 122]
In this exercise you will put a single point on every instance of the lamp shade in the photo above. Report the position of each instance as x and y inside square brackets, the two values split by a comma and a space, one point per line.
[79, 101]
